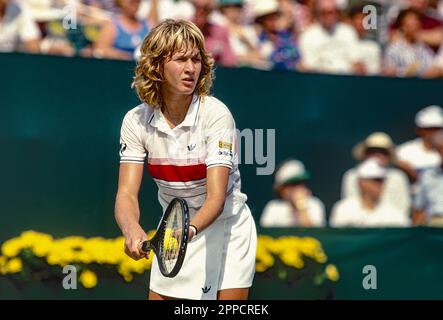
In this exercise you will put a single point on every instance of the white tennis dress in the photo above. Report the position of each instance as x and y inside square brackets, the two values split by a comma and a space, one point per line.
[223, 255]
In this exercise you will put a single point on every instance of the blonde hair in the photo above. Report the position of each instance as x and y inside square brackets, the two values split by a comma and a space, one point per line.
[161, 43]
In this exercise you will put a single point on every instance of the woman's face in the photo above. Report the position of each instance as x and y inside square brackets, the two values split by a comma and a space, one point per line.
[233, 13]
[182, 72]
[411, 26]
[269, 22]
[129, 7]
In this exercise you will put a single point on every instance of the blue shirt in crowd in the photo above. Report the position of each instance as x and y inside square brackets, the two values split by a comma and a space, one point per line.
[129, 41]
[429, 196]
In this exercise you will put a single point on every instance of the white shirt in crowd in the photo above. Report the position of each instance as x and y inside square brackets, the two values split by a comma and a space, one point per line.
[182, 9]
[328, 52]
[438, 61]
[414, 152]
[279, 213]
[350, 212]
[369, 53]
[396, 189]
[17, 26]
[239, 46]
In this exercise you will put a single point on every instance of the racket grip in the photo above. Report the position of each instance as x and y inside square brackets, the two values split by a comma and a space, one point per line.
[146, 246]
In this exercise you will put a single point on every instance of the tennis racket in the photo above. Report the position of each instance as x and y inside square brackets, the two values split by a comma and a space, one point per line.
[171, 239]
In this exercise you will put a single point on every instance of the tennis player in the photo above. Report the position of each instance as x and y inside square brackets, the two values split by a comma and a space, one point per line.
[189, 140]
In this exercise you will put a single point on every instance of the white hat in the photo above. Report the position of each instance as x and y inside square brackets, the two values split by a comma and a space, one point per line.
[43, 10]
[430, 117]
[262, 8]
[291, 171]
[371, 169]
[375, 140]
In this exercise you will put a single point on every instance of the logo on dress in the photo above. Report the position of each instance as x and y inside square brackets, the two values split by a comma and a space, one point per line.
[206, 289]
[122, 148]
[191, 147]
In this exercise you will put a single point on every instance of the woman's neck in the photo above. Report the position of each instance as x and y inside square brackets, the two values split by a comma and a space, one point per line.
[175, 108]
[129, 19]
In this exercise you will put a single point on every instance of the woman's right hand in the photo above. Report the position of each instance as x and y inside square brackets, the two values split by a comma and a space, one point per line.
[133, 242]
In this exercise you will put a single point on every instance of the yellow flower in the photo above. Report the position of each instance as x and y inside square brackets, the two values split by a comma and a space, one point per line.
[11, 248]
[332, 272]
[13, 266]
[88, 279]
[169, 241]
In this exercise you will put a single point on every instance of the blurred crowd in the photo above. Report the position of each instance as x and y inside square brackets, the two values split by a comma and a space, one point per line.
[382, 37]
[391, 186]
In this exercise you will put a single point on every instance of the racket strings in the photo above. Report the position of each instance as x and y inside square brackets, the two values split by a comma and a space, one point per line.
[172, 238]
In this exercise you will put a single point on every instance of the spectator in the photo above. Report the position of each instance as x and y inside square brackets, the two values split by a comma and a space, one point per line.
[417, 155]
[380, 147]
[407, 55]
[120, 38]
[431, 23]
[243, 38]
[216, 36]
[160, 10]
[18, 30]
[303, 17]
[367, 53]
[277, 45]
[328, 44]
[296, 206]
[428, 202]
[436, 70]
[367, 209]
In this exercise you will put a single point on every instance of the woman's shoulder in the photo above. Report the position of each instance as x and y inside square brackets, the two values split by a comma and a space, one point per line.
[140, 114]
[213, 107]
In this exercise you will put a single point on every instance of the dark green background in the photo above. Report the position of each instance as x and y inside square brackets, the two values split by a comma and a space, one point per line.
[59, 132]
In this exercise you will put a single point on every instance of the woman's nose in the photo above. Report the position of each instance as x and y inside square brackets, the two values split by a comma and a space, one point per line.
[190, 67]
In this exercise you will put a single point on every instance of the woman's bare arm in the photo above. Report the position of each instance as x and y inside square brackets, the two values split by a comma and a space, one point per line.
[127, 212]
[217, 182]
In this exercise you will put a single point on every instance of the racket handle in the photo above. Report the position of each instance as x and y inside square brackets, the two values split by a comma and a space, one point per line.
[146, 246]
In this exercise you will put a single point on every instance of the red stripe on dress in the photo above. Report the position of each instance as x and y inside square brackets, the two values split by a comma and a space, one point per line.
[173, 173]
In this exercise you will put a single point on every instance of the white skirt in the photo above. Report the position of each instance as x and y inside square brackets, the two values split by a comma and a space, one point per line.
[220, 257]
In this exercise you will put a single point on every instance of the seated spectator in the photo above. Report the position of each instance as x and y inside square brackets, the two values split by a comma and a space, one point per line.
[328, 44]
[367, 53]
[243, 38]
[436, 70]
[417, 155]
[407, 56]
[277, 45]
[216, 36]
[160, 10]
[303, 17]
[18, 30]
[431, 23]
[120, 38]
[296, 206]
[396, 191]
[428, 202]
[366, 209]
